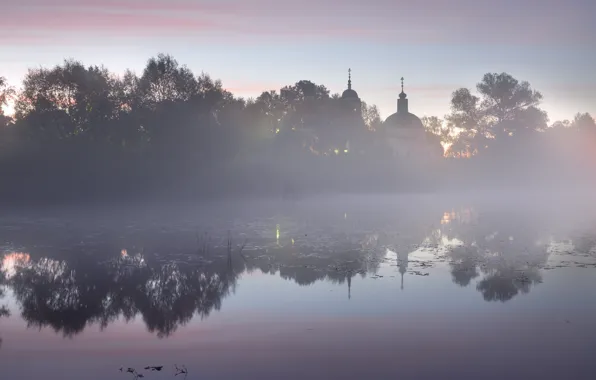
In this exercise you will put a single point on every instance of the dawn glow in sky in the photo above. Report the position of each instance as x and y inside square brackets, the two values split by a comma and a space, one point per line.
[258, 45]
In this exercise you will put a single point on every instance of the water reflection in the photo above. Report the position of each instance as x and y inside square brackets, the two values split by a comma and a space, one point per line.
[502, 250]
[4, 312]
[170, 278]
[68, 295]
[167, 292]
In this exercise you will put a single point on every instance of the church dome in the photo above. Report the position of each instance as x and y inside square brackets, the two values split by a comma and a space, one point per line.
[406, 134]
[349, 93]
[405, 120]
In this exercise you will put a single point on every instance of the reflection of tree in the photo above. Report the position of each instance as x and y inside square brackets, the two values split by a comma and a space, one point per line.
[172, 296]
[505, 283]
[68, 295]
[70, 291]
[4, 312]
[503, 249]
[306, 266]
[64, 296]
[463, 266]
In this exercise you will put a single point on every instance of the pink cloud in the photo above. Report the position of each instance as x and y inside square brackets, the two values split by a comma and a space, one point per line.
[34, 24]
[24, 38]
[124, 5]
[396, 21]
[70, 21]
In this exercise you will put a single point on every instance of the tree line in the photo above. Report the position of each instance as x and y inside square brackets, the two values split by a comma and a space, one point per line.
[83, 131]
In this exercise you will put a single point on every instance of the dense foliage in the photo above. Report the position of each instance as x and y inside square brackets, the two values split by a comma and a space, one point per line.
[84, 132]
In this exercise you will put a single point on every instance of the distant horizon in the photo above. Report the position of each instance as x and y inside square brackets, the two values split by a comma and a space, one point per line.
[263, 45]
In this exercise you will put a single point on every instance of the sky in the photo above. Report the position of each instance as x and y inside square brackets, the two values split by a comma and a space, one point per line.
[258, 45]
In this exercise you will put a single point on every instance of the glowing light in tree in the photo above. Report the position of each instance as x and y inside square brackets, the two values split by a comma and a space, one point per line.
[13, 260]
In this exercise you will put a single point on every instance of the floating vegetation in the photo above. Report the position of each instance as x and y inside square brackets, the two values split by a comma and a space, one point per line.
[154, 368]
[137, 375]
[180, 371]
[133, 372]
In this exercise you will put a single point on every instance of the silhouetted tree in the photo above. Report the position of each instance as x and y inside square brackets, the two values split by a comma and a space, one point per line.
[468, 121]
[436, 127]
[371, 116]
[584, 122]
[67, 102]
[503, 108]
[504, 99]
[6, 93]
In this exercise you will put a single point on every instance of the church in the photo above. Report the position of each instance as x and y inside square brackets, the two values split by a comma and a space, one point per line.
[402, 131]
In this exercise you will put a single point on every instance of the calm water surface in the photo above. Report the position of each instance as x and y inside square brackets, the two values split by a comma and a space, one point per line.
[346, 287]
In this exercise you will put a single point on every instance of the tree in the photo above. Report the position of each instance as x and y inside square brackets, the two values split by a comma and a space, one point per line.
[467, 122]
[6, 94]
[68, 101]
[371, 117]
[531, 119]
[6, 132]
[164, 79]
[503, 97]
[585, 125]
[561, 124]
[305, 103]
[504, 107]
[437, 127]
[584, 122]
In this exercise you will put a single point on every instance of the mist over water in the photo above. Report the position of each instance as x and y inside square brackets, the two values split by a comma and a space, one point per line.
[321, 287]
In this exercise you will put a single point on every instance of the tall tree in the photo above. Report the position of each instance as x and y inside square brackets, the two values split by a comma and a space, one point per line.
[504, 97]
[371, 117]
[584, 122]
[504, 107]
[467, 122]
[164, 79]
[72, 100]
[6, 94]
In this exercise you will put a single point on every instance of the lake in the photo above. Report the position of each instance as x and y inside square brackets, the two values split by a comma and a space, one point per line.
[351, 287]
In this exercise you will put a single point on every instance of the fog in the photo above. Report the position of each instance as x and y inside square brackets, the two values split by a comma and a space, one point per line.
[84, 134]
